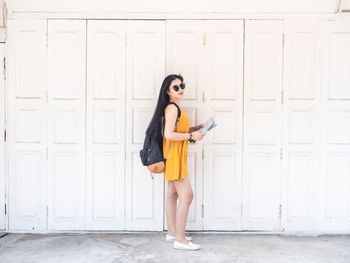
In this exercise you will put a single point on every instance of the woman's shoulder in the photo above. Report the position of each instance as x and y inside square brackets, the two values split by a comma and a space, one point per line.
[172, 107]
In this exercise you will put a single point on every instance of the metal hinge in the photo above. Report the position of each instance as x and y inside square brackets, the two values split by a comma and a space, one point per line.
[204, 39]
[4, 68]
[283, 39]
[281, 153]
[5, 209]
[5, 135]
[282, 97]
[280, 211]
[203, 96]
[202, 210]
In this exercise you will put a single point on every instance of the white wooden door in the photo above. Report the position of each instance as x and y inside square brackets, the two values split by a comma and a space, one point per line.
[335, 159]
[209, 55]
[27, 118]
[145, 72]
[185, 56]
[66, 124]
[105, 149]
[223, 99]
[262, 125]
[2, 140]
[301, 124]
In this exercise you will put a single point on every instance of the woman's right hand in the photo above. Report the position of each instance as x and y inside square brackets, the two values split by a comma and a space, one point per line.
[197, 135]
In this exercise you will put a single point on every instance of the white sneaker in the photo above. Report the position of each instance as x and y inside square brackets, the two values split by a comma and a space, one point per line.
[170, 238]
[190, 246]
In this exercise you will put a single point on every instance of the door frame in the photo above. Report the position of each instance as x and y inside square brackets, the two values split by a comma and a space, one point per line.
[3, 166]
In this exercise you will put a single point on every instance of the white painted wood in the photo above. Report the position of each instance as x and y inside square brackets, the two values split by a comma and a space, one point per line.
[3, 217]
[66, 126]
[145, 73]
[262, 125]
[195, 6]
[26, 133]
[335, 159]
[105, 83]
[105, 149]
[185, 56]
[301, 124]
[223, 99]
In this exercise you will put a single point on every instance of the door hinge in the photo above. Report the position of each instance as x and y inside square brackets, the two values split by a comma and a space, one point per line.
[202, 210]
[283, 39]
[204, 39]
[280, 211]
[5, 210]
[203, 96]
[282, 97]
[4, 68]
[5, 135]
[281, 153]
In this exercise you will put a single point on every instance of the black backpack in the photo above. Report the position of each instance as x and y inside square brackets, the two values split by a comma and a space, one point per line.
[152, 152]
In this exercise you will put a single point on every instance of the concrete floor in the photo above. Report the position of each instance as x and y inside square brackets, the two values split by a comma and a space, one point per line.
[152, 247]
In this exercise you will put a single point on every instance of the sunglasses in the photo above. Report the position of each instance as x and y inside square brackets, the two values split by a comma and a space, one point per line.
[176, 87]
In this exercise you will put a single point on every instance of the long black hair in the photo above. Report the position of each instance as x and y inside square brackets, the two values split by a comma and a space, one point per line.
[155, 125]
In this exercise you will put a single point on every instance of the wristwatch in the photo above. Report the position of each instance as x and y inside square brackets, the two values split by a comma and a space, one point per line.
[190, 139]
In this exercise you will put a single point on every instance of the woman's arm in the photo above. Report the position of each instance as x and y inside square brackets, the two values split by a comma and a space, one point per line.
[169, 129]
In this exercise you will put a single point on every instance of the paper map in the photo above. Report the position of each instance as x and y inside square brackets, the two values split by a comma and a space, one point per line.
[208, 125]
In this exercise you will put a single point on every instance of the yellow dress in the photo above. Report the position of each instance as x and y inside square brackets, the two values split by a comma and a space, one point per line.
[176, 163]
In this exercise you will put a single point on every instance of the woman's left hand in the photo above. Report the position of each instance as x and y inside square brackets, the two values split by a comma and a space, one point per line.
[199, 126]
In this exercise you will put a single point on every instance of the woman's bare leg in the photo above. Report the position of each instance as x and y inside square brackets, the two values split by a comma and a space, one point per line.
[170, 207]
[184, 191]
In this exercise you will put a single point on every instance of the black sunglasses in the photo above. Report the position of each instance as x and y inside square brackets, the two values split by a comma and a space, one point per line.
[176, 87]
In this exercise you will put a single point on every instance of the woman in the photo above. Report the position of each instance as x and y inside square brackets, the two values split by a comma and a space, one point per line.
[176, 172]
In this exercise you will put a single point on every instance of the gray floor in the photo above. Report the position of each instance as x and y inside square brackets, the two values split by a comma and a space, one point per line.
[152, 247]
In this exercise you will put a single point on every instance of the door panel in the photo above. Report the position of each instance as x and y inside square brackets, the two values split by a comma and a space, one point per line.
[145, 72]
[185, 56]
[66, 126]
[223, 99]
[301, 124]
[262, 125]
[3, 165]
[335, 158]
[26, 133]
[106, 67]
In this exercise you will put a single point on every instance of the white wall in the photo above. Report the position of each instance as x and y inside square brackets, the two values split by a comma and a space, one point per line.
[305, 163]
[181, 6]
